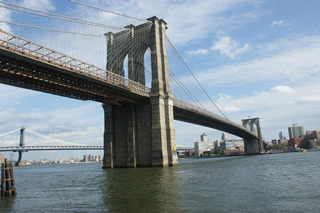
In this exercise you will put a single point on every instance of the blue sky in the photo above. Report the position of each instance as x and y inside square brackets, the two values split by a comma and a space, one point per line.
[254, 58]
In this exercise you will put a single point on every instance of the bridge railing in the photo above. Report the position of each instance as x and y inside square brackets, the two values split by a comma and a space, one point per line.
[41, 53]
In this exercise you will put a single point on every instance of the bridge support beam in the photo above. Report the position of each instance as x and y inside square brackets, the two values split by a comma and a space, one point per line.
[253, 146]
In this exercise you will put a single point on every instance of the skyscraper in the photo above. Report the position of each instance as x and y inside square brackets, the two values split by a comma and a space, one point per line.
[224, 136]
[281, 135]
[295, 131]
[204, 137]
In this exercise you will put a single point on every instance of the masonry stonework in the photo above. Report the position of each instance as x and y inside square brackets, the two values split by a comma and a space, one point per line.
[253, 146]
[140, 134]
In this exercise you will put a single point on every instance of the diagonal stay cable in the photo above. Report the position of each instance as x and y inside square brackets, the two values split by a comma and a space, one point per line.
[56, 16]
[185, 89]
[175, 78]
[196, 78]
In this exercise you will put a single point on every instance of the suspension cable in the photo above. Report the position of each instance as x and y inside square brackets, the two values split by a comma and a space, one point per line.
[59, 17]
[195, 78]
[48, 29]
[185, 89]
[108, 11]
[7, 133]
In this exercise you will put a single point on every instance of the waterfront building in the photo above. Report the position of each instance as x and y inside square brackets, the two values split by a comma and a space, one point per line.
[218, 143]
[204, 145]
[295, 131]
[283, 141]
[233, 144]
[313, 135]
[85, 158]
[295, 142]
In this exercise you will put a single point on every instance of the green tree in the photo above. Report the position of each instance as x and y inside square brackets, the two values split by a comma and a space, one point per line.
[218, 152]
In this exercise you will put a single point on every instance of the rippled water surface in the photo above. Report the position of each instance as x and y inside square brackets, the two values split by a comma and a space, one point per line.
[265, 183]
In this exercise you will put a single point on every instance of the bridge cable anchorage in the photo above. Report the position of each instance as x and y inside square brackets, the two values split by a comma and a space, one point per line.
[108, 11]
[59, 17]
[195, 78]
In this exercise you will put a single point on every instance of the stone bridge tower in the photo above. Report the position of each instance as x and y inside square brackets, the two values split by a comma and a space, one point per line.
[140, 135]
[253, 146]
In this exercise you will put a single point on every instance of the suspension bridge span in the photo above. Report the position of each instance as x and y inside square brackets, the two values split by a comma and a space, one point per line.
[139, 128]
[25, 140]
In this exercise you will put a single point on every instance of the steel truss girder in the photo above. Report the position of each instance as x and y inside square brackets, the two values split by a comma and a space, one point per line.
[20, 73]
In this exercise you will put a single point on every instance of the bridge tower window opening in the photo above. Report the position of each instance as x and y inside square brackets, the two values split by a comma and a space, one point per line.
[147, 68]
[126, 67]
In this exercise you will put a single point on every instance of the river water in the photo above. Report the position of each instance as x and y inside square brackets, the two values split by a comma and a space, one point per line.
[264, 183]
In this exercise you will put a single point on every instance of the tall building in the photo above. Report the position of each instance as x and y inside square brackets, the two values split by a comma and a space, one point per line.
[204, 145]
[85, 158]
[224, 136]
[204, 137]
[295, 131]
[281, 135]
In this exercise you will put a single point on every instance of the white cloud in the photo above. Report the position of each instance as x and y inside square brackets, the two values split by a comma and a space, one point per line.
[5, 15]
[187, 20]
[309, 99]
[200, 51]
[281, 22]
[280, 88]
[229, 47]
[11, 96]
[277, 107]
[294, 64]
[44, 5]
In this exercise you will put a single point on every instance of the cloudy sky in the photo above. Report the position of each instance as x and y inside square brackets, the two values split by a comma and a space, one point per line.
[257, 58]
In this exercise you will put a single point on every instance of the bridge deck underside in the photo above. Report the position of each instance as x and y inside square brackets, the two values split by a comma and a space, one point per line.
[216, 122]
[24, 72]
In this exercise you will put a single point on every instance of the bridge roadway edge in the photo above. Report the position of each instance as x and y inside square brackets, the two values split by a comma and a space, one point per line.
[112, 93]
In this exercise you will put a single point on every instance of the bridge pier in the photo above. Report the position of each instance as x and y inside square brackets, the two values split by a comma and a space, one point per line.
[140, 135]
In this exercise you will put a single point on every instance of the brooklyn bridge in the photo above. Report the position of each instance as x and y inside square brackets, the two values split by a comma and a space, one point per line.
[139, 121]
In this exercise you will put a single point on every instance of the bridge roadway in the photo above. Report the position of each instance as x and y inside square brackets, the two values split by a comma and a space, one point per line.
[47, 148]
[29, 65]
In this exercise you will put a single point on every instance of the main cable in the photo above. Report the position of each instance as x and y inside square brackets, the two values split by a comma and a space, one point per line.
[195, 78]
[108, 11]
